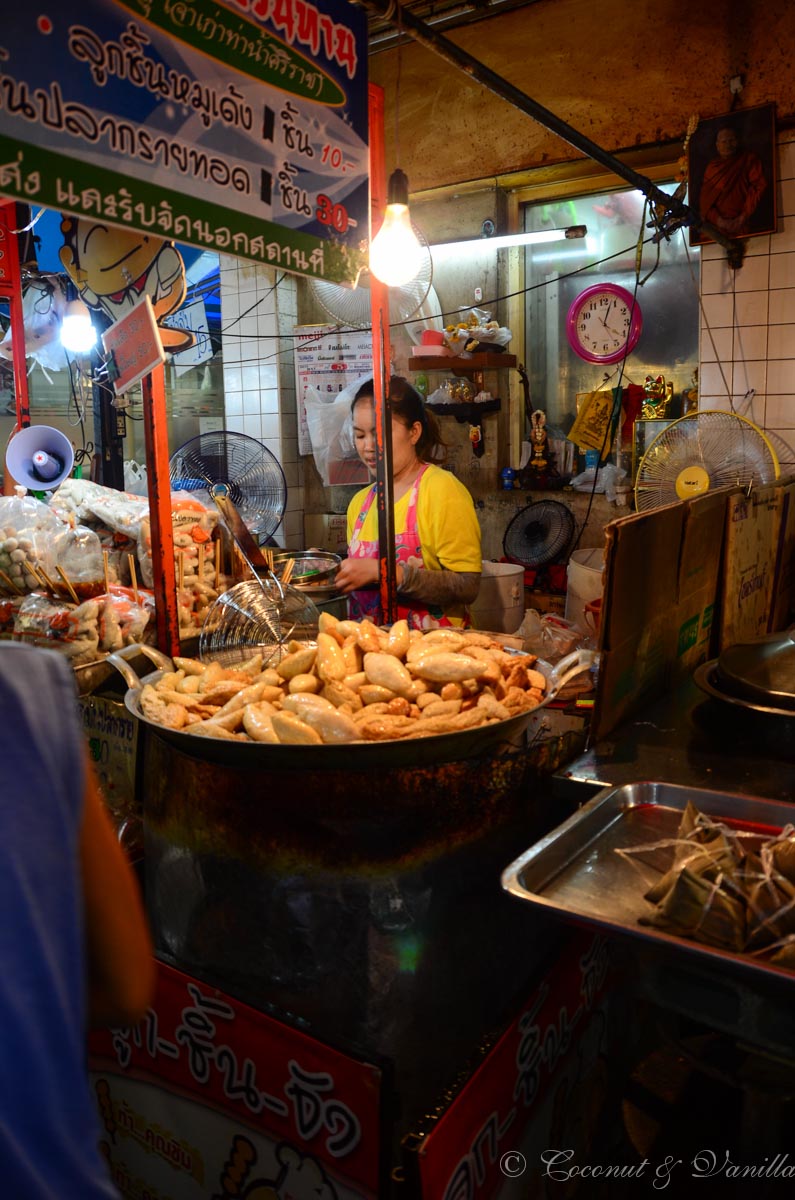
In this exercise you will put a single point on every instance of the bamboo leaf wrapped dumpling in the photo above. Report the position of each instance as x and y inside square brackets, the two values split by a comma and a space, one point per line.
[698, 908]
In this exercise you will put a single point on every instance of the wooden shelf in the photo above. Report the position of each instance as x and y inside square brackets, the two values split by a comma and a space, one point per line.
[489, 360]
[467, 410]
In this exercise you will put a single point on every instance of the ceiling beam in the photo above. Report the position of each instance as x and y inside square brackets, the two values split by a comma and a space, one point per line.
[404, 20]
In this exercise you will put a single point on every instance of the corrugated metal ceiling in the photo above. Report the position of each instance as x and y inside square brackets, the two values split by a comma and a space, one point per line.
[443, 15]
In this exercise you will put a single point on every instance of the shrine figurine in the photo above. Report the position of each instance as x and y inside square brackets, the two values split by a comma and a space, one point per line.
[539, 440]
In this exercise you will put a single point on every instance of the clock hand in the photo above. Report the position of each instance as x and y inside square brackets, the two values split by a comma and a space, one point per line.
[610, 306]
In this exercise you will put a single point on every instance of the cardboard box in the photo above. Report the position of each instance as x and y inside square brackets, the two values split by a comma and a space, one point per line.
[753, 526]
[784, 586]
[663, 571]
[545, 602]
[326, 531]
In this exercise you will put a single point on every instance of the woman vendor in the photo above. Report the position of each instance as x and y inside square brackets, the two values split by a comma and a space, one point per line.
[437, 535]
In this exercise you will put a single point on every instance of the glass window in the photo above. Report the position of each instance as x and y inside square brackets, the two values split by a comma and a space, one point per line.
[556, 273]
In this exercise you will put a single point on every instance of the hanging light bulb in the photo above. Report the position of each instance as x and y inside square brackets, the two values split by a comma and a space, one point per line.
[77, 330]
[395, 253]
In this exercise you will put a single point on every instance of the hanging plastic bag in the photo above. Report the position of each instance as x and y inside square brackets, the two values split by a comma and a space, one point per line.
[135, 478]
[330, 425]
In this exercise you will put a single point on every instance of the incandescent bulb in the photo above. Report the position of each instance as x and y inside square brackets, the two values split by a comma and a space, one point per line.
[395, 253]
[77, 330]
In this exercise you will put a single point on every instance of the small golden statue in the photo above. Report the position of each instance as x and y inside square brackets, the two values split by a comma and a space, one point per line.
[540, 441]
[657, 398]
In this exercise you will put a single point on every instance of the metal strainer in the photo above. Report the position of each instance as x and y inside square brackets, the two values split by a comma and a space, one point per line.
[256, 615]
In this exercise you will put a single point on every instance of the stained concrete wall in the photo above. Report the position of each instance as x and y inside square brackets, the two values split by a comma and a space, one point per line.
[625, 75]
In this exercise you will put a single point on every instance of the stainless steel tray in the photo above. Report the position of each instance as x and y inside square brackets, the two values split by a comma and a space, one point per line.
[575, 872]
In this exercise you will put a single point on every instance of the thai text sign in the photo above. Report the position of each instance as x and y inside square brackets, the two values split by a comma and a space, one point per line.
[237, 126]
[207, 1091]
[134, 342]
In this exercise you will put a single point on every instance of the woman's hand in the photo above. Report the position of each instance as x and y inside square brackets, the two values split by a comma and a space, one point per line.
[356, 573]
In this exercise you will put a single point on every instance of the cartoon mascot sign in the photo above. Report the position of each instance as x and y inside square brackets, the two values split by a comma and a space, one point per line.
[114, 268]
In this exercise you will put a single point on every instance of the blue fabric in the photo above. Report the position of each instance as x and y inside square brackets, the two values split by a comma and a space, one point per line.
[49, 1131]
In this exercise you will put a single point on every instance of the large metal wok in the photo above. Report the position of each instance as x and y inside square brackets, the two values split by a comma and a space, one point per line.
[358, 755]
[362, 806]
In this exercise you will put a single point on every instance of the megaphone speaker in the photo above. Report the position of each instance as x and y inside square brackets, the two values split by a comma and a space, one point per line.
[39, 457]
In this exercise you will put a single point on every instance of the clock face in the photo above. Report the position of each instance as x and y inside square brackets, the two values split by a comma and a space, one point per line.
[603, 323]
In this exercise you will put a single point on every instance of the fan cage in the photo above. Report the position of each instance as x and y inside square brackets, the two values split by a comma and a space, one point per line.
[539, 534]
[256, 481]
[349, 302]
[704, 450]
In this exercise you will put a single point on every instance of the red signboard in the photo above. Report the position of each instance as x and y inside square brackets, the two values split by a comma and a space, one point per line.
[209, 1097]
[479, 1145]
[134, 342]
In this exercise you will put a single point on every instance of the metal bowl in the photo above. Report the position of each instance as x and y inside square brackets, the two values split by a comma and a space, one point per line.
[313, 568]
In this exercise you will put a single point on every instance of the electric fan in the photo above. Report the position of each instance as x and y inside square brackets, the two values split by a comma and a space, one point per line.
[705, 450]
[247, 485]
[349, 302]
[253, 476]
[539, 534]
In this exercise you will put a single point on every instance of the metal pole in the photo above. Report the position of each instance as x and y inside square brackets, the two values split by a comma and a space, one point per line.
[109, 432]
[379, 315]
[428, 37]
[161, 529]
[11, 290]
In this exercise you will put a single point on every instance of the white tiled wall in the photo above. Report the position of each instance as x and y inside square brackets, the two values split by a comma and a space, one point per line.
[748, 323]
[259, 381]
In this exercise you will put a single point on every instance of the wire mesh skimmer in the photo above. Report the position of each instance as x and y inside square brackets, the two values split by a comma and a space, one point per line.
[259, 614]
[256, 615]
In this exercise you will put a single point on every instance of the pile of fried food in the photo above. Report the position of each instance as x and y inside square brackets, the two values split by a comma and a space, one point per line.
[356, 683]
[728, 888]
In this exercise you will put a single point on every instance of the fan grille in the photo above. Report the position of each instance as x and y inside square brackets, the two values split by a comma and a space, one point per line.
[349, 303]
[253, 475]
[539, 534]
[705, 450]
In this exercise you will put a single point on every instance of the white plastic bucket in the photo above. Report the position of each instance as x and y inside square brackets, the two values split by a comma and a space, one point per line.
[499, 606]
[583, 584]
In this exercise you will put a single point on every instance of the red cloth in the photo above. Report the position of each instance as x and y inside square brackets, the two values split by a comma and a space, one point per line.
[632, 404]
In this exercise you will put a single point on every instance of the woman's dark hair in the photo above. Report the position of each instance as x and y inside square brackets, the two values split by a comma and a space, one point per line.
[408, 406]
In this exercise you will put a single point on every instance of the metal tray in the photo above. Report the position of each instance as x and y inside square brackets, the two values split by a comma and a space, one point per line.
[575, 872]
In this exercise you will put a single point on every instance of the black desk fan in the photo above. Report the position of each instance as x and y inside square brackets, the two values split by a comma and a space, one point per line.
[247, 485]
[539, 536]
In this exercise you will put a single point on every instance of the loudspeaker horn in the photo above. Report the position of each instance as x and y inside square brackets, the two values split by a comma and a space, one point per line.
[39, 458]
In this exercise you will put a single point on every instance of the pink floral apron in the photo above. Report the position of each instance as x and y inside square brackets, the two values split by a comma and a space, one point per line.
[408, 551]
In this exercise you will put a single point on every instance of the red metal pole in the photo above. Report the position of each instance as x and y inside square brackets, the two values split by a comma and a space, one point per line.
[11, 290]
[379, 311]
[162, 533]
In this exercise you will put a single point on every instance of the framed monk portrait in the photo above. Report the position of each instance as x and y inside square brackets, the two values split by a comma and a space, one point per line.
[732, 173]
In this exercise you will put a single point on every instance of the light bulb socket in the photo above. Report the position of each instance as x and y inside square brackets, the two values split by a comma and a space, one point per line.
[77, 308]
[398, 188]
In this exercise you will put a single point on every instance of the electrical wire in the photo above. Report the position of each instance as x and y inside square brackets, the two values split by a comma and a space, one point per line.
[292, 338]
[611, 428]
